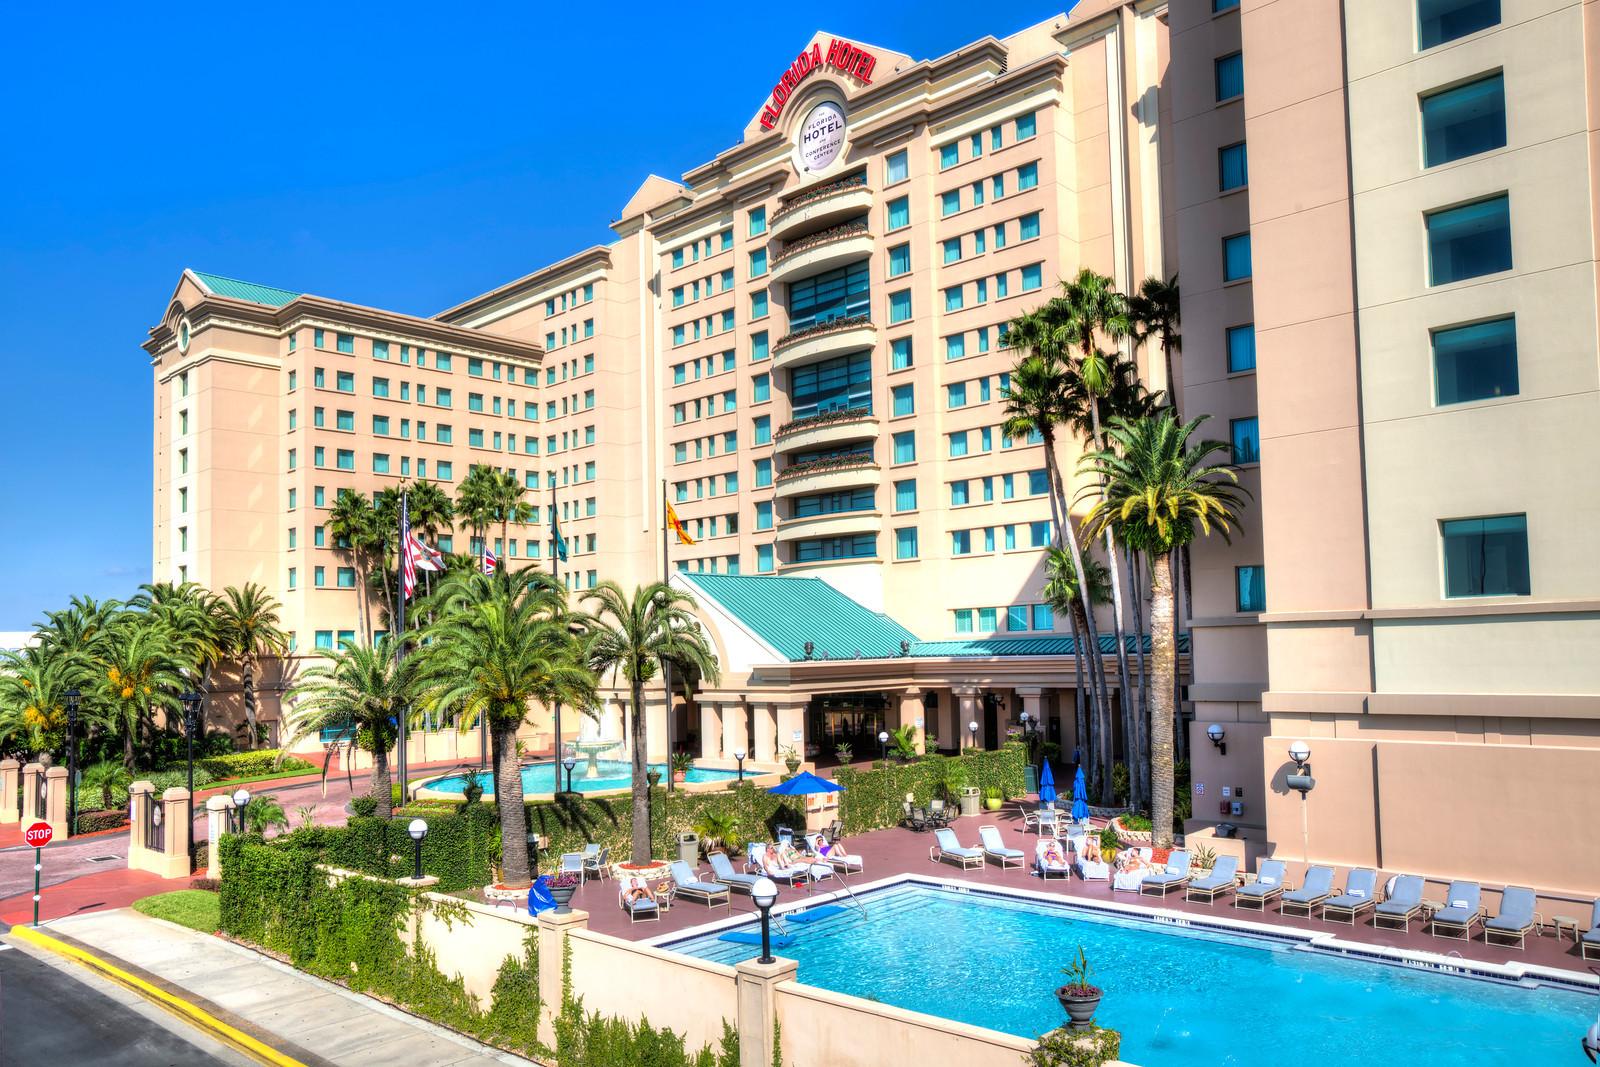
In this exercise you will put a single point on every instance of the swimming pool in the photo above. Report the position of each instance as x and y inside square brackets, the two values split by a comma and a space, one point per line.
[1182, 996]
[541, 778]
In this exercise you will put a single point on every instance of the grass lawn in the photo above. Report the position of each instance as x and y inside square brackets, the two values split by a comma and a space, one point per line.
[195, 908]
[232, 783]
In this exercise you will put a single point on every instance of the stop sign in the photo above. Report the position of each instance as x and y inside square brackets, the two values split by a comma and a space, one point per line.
[38, 834]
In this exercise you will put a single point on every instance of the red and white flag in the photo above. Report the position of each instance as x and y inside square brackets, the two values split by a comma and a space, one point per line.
[428, 558]
[489, 562]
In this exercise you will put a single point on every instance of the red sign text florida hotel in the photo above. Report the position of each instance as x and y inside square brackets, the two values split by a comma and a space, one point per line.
[842, 56]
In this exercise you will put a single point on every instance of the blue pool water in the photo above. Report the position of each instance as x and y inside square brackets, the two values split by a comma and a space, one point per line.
[1181, 997]
[541, 778]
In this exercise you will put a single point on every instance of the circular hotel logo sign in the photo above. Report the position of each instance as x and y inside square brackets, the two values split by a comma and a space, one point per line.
[821, 138]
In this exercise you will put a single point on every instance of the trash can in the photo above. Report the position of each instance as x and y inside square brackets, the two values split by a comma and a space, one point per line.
[689, 848]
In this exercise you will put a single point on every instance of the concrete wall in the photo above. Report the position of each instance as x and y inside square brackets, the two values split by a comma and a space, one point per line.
[616, 977]
[826, 1029]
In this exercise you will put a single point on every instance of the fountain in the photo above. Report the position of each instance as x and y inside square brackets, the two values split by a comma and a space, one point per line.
[590, 744]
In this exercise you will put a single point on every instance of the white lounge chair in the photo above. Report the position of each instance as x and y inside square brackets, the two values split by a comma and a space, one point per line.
[1050, 859]
[643, 909]
[834, 855]
[949, 850]
[994, 848]
[756, 863]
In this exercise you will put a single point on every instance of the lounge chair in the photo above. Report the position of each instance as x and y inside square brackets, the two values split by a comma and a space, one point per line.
[1360, 893]
[834, 855]
[1268, 884]
[947, 849]
[1176, 876]
[1461, 910]
[572, 863]
[687, 884]
[596, 864]
[1317, 887]
[1050, 858]
[1224, 875]
[995, 849]
[1516, 917]
[756, 863]
[1589, 943]
[1403, 903]
[643, 909]
[722, 871]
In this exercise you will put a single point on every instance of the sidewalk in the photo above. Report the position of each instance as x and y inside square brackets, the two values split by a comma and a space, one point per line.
[308, 1020]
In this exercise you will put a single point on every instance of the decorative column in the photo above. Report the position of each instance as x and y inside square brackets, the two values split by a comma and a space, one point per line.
[967, 711]
[10, 782]
[734, 735]
[33, 792]
[55, 801]
[765, 741]
[791, 726]
[553, 930]
[710, 729]
[911, 712]
[140, 797]
[219, 810]
[757, 1007]
[174, 862]
[655, 709]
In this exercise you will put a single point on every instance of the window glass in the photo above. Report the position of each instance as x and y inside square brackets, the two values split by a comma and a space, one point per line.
[899, 306]
[1250, 585]
[950, 203]
[905, 495]
[1470, 240]
[1241, 348]
[1236, 257]
[1233, 170]
[1027, 176]
[1044, 617]
[949, 156]
[894, 168]
[1029, 225]
[905, 402]
[1475, 362]
[1246, 435]
[900, 353]
[899, 260]
[905, 446]
[1027, 125]
[899, 213]
[1230, 76]
[905, 543]
[834, 294]
[1486, 557]
[1439, 21]
[841, 383]
[1464, 121]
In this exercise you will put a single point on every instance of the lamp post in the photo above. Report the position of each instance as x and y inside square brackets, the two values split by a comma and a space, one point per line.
[73, 696]
[740, 755]
[240, 799]
[972, 731]
[569, 763]
[418, 830]
[191, 715]
[764, 894]
[883, 745]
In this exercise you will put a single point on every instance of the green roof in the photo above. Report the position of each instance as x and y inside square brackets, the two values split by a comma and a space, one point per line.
[238, 290]
[787, 612]
[1041, 645]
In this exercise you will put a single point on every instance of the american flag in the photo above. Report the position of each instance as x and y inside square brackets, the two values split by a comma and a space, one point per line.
[489, 562]
[409, 558]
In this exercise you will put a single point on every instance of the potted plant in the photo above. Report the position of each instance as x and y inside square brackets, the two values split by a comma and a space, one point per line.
[843, 753]
[993, 798]
[562, 886]
[791, 758]
[681, 762]
[1079, 997]
[653, 776]
[718, 831]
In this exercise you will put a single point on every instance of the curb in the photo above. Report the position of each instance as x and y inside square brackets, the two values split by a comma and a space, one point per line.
[190, 1013]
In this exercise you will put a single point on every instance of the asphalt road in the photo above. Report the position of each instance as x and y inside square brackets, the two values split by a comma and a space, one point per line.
[51, 1015]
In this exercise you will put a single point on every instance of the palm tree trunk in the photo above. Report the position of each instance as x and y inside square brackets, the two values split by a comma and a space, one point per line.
[1130, 734]
[513, 817]
[1081, 739]
[1164, 654]
[249, 704]
[1182, 562]
[382, 791]
[641, 784]
[1142, 677]
[127, 748]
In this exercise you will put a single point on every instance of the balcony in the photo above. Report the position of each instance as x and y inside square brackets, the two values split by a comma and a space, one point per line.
[823, 475]
[824, 340]
[839, 524]
[821, 207]
[822, 251]
[829, 428]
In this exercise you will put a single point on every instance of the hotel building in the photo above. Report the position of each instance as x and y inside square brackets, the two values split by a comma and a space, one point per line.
[800, 345]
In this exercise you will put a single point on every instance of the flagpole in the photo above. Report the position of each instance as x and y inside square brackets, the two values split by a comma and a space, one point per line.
[666, 665]
[555, 572]
[400, 631]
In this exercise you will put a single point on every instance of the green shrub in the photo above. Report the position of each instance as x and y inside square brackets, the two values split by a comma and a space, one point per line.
[364, 805]
[873, 798]
[174, 777]
[1135, 822]
[94, 821]
[251, 764]
[1076, 1048]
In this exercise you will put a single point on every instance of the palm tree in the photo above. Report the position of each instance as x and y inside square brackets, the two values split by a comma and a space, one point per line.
[354, 528]
[637, 637]
[263, 813]
[1061, 591]
[1155, 314]
[33, 686]
[107, 778]
[188, 613]
[247, 625]
[477, 503]
[431, 512]
[1157, 488]
[139, 671]
[508, 503]
[359, 694]
[501, 642]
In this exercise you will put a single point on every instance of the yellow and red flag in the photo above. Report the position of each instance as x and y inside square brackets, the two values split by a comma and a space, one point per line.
[677, 527]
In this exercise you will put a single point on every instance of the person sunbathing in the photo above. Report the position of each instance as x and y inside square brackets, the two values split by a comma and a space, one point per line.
[634, 890]
[1051, 854]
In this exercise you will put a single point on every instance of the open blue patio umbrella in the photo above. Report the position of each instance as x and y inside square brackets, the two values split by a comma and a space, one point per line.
[804, 784]
[1047, 784]
[1080, 798]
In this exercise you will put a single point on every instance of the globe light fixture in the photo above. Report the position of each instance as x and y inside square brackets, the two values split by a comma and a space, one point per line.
[1216, 734]
[883, 745]
[418, 830]
[240, 799]
[764, 894]
[740, 755]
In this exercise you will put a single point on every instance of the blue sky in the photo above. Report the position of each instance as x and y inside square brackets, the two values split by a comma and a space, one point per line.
[400, 159]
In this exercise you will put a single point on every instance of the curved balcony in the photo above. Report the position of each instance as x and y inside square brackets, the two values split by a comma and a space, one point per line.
[823, 475]
[820, 207]
[829, 428]
[822, 251]
[824, 340]
[841, 524]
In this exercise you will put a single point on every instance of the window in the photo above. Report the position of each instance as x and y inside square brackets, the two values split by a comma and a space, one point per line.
[895, 168]
[292, 457]
[1017, 617]
[293, 380]
[319, 578]
[905, 446]
[761, 388]
[763, 429]
[954, 298]
[838, 384]
[1439, 21]
[1469, 241]
[1027, 176]
[960, 493]
[1230, 76]
[952, 250]
[344, 420]
[758, 263]
[955, 395]
[1246, 435]
[905, 401]
[758, 306]
[764, 515]
[960, 542]
[763, 473]
[905, 542]
[1219, 6]
[758, 346]
[441, 397]
[763, 559]
[899, 260]
[964, 621]
[1029, 225]
[380, 425]
[1233, 169]
[899, 306]
[319, 456]
[900, 353]
[1464, 121]
[1026, 126]
[949, 156]
[834, 294]
[905, 495]
[1044, 617]
[442, 433]
[958, 443]
[345, 459]
[950, 203]
[1236, 257]
[380, 350]
[1039, 534]
[1475, 362]
[1250, 588]
[1241, 348]
[1032, 277]
[1038, 482]
[758, 221]
[444, 471]
[345, 343]
[345, 577]
[955, 346]
[345, 382]
[899, 213]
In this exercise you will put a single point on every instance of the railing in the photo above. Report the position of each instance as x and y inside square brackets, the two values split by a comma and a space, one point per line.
[827, 463]
[850, 322]
[821, 192]
[824, 418]
[821, 237]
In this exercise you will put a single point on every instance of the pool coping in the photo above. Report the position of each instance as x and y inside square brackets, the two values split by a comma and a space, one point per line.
[421, 790]
[1512, 973]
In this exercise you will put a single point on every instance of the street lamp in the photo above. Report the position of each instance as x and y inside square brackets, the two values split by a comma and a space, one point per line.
[191, 716]
[73, 696]
[883, 745]
[569, 763]
[740, 755]
[240, 799]
[764, 894]
[972, 730]
[418, 830]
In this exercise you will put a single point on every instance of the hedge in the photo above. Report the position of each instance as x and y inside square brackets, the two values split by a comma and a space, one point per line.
[251, 764]
[874, 798]
[93, 821]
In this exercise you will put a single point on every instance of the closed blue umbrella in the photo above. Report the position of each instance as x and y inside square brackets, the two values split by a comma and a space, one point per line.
[1047, 785]
[1080, 798]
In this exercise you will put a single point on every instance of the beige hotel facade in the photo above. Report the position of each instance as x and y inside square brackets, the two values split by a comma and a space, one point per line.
[1383, 214]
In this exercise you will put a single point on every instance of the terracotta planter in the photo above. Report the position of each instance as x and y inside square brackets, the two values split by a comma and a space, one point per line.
[1079, 1009]
[680, 776]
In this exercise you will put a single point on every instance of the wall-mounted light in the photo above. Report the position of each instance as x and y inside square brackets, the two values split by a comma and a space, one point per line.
[1217, 733]
[1300, 752]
